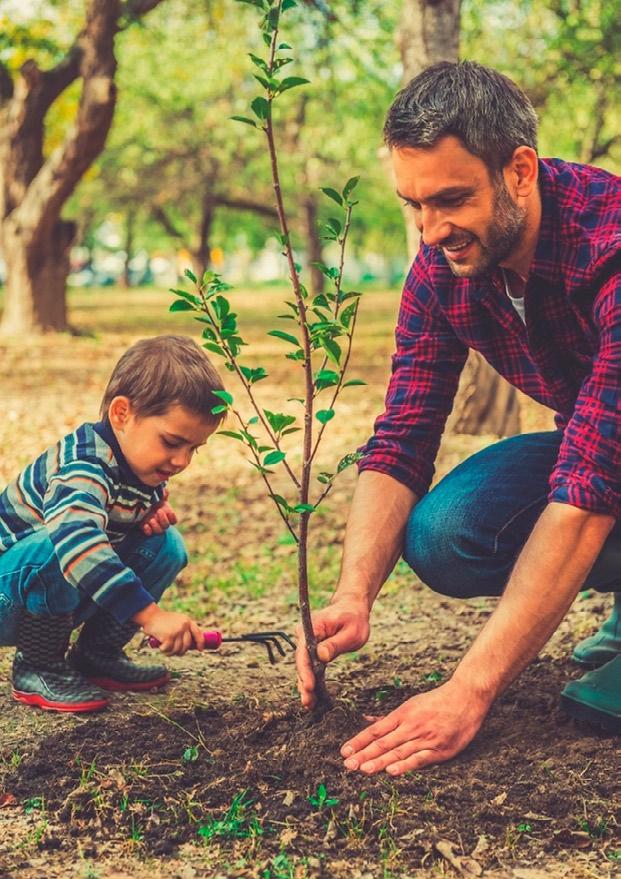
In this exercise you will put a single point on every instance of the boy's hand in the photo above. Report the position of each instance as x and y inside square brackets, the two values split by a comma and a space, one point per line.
[176, 632]
[160, 517]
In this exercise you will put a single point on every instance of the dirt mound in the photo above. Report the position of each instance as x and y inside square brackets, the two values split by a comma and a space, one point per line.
[237, 775]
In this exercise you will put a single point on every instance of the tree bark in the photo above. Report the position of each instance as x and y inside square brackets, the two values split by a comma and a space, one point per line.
[33, 189]
[485, 402]
[315, 250]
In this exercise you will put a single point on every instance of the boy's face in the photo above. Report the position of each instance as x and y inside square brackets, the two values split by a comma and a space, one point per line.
[157, 447]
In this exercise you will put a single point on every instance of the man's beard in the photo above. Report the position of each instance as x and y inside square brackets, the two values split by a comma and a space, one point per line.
[504, 234]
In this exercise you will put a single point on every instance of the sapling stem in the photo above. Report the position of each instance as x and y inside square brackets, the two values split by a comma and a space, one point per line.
[323, 699]
[320, 321]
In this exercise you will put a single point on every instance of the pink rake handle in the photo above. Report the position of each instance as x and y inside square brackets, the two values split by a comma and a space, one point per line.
[213, 640]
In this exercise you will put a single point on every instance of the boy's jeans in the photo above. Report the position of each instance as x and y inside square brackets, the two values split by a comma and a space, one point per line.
[30, 576]
[464, 536]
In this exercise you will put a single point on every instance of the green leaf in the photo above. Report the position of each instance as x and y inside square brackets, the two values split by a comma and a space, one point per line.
[253, 420]
[253, 375]
[350, 186]
[280, 335]
[258, 61]
[190, 297]
[353, 382]
[334, 225]
[218, 409]
[211, 346]
[273, 458]
[284, 46]
[324, 415]
[232, 433]
[304, 508]
[282, 502]
[181, 305]
[245, 120]
[332, 349]
[291, 82]
[224, 395]
[290, 430]
[190, 274]
[261, 108]
[348, 460]
[288, 4]
[325, 478]
[262, 81]
[326, 378]
[333, 194]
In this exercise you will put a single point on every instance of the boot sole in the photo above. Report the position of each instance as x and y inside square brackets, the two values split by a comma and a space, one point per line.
[38, 701]
[600, 719]
[129, 686]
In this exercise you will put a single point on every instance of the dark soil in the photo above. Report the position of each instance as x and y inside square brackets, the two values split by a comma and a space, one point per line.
[532, 783]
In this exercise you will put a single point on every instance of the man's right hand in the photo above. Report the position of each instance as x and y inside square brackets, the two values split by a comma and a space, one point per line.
[176, 632]
[341, 627]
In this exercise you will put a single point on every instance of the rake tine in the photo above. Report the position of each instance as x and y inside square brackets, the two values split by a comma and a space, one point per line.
[289, 640]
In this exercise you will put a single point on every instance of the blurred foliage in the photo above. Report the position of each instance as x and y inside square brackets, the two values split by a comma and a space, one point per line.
[184, 70]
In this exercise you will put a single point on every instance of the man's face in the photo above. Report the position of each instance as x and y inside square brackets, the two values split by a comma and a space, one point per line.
[160, 446]
[458, 208]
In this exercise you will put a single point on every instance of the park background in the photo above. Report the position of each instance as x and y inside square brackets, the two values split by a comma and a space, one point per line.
[118, 205]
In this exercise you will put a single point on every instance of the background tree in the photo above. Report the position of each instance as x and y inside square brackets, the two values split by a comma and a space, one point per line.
[34, 186]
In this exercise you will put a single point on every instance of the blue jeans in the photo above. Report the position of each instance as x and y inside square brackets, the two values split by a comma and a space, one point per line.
[30, 576]
[464, 536]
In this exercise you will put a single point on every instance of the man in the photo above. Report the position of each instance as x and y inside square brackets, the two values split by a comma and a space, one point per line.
[520, 259]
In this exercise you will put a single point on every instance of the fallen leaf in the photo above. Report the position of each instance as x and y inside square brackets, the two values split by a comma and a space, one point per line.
[7, 800]
[466, 866]
[500, 799]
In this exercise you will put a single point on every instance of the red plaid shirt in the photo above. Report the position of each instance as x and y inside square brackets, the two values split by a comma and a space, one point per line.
[568, 356]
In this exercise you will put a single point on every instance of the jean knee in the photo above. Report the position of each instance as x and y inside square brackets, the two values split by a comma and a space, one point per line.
[175, 550]
[440, 550]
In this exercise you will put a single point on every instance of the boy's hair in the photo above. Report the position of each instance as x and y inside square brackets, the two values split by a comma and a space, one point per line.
[157, 373]
[483, 108]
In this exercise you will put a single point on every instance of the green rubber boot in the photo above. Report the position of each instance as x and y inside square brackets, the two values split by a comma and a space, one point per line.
[603, 645]
[596, 697]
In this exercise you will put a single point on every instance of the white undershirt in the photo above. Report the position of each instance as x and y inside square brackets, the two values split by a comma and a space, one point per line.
[516, 301]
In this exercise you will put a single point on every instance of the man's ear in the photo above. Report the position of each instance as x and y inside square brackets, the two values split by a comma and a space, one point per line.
[119, 412]
[523, 171]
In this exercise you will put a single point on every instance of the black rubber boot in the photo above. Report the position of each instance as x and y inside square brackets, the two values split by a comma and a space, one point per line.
[98, 655]
[41, 675]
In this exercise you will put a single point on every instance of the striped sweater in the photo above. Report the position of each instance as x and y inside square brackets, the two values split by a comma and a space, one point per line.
[82, 491]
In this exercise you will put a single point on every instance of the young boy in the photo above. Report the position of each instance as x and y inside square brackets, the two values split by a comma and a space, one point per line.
[84, 534]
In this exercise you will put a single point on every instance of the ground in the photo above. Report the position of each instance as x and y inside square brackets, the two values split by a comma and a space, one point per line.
[222, 775]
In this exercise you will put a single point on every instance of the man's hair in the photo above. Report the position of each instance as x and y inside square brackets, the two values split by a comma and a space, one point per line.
[157, 373]
[489, 114]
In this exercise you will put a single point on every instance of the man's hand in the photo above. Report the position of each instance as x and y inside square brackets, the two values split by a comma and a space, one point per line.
[176, 632]
[160, 517]
[341, 627]
[429, 728]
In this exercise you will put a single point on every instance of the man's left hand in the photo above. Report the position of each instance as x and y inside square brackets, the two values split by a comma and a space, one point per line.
[160, 517]
[429, 728]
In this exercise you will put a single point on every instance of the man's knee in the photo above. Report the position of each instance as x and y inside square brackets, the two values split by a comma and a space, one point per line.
[442, 548]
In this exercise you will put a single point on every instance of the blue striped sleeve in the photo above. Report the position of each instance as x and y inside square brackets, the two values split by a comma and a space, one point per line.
[74, 510]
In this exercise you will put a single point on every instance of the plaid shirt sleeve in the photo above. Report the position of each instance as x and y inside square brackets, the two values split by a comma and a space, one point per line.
[425, 372]
[588, 470]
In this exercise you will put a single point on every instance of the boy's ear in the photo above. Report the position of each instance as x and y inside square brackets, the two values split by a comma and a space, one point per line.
[119, 412]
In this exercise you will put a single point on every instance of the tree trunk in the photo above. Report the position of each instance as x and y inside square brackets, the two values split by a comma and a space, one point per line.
[34, 188]
[485, 402]
[37, 266]
[130, 222]
[315, 250]
[201, 257]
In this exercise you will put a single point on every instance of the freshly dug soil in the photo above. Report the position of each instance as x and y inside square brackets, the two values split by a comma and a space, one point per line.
[532, 784]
